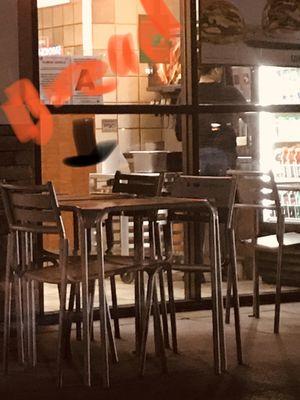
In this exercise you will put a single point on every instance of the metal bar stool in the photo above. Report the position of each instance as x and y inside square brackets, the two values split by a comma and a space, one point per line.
[220, 191]
[33, 211]
[257, 191]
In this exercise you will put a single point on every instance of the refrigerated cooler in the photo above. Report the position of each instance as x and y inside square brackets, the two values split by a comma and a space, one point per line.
[279, 149]
[279, 135]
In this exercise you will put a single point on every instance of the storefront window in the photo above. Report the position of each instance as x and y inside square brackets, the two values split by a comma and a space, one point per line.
[130, 52]
[145, 143]
[114, 51]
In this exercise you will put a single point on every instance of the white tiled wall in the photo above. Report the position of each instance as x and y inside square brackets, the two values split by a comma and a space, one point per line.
[62, 25]
[128, 89]
[129, 121]
[150, 135]
[68, 35]
[77, 10]
[153, 121]
[121, 17]
[58, 16]
[126, 11]
[68, 14]
[101, 35]
[129, 139]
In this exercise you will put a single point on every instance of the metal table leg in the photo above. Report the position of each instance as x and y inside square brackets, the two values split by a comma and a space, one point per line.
[85, 302]
[102, 306]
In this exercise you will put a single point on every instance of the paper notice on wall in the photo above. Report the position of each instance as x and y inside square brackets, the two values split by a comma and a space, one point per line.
[50, 68]
[83, 81]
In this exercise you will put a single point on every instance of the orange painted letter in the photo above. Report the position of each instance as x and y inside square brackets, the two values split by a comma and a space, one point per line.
[89, 72]
[24, 103]
[122, 57]
[164, 22]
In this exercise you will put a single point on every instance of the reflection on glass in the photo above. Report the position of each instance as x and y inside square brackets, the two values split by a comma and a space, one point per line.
[147, 142]
[218, 132]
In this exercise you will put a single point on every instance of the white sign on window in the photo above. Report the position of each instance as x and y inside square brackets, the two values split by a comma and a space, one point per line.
[50, 68]
[80, 79]
[50, 51]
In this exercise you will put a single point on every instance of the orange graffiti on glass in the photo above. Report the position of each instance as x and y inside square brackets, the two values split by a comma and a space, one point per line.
[88, 74]
[23, 99]
[88, 79]
[24, 103]
[165, 23]
[121, 55]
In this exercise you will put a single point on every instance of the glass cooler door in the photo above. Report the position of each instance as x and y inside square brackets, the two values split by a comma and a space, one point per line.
[280, 135]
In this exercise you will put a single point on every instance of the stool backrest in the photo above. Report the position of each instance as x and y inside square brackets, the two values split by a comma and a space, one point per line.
[219, 191]
[32, 209]
[139, 184]
[257, 190]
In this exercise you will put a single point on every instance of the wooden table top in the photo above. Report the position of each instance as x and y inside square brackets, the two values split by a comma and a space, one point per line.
[107, 203]
[92, 197]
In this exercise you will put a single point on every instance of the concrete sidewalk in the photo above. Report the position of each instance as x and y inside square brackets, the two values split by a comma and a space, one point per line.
[271, 370]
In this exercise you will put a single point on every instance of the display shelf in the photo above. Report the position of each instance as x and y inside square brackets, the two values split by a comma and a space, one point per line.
[166, 91]
[287, 220]
[287, 181]
[286, 141]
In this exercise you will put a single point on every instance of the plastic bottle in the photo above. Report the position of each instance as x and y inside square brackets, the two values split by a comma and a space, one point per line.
[297, 196]
[277, 159]
[283, 161]
[297, 161]
[286, 204]
[291, 159]
[292, 205]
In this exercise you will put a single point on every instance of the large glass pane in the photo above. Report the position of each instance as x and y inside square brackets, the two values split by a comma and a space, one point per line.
[111, 51]
[224, 84]
[144, 144]
[223, 136]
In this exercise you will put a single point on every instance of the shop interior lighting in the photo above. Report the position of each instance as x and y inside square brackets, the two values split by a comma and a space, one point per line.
[266, 121]
[51, 3]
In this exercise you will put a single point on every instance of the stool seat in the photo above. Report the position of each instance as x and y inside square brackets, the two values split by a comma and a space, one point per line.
[53, 274]
[190, 268]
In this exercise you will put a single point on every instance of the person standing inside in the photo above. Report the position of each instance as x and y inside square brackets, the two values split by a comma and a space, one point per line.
[217, 132]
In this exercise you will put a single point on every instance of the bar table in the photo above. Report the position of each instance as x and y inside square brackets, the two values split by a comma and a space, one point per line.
[91, 211]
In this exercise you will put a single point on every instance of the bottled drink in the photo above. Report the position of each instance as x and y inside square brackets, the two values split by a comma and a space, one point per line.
[286, 204]
[277, 157]
[283, 161]
[290, 159]
[297, 198]
[292, 204]
[297, 161]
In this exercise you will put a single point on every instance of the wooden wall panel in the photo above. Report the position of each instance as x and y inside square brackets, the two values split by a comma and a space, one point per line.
[16, 167]
[18, 161]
